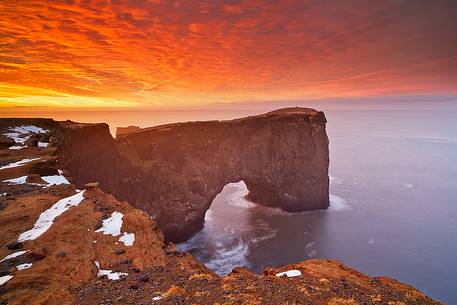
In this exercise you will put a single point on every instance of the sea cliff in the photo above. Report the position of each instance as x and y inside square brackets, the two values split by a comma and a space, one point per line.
[65, 242]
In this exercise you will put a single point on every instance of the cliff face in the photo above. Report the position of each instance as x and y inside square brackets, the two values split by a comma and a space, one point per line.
[174, 171]
[124, 130]
[90, 153]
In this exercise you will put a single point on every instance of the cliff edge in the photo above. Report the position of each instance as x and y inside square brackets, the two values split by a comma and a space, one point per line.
[174, 171]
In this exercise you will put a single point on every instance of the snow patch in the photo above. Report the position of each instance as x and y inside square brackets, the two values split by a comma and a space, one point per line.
[29, 129]
[5, 279]
[55, 180]
[158, 298]
[13, 255]
[23, 266]
[128, 239]
[16, 136]
[19, 180]
[112, 225]
[43, 144]
[21, 134]
[114, 276]
[46, 218]
[19, 163]
[15, 147]
[289, 273]
[50, 180]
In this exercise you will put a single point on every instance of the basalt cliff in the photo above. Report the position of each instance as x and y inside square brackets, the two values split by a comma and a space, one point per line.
[174, 171]
[65, 241]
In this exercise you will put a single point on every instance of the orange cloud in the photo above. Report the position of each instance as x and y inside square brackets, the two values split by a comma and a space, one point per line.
[193, 52]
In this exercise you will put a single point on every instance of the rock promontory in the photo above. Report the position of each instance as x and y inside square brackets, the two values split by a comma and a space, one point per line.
[174, 171]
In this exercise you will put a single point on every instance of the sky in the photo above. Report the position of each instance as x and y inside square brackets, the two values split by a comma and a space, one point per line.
[157, 53]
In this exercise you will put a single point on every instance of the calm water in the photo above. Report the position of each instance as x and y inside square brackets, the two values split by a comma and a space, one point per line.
[393, 205]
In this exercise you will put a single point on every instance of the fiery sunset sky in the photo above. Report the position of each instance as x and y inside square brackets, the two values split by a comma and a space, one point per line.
[156, 53]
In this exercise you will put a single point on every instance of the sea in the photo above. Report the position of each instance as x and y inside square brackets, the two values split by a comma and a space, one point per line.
[393, 201]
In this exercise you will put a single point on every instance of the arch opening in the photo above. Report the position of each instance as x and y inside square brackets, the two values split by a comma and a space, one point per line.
[230, 228]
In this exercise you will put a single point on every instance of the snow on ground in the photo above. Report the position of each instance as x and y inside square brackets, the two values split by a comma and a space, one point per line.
[157, 298]
[16, 136]
[5, 279]
[29, 129]
[289, 273]
[22, 133]
[114, 276]
[19, 180]
[43, 144]
[4, 194]
[18, 163]
[127, 239]
[13, 255]
[23, 266]
[113, 225]
[46, 218]
[55, 180]
[50, 180]
[15, 147]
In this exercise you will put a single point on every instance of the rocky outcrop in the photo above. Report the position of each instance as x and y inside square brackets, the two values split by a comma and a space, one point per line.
[125, 130]
[174, 171]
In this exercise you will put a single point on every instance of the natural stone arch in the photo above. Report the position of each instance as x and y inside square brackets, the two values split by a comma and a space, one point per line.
[174, 171]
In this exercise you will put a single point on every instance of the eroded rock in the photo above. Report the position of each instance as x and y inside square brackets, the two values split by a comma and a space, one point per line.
[174, 171]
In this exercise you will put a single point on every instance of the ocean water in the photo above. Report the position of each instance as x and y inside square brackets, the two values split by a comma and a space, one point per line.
[393, 206]
[393, 200]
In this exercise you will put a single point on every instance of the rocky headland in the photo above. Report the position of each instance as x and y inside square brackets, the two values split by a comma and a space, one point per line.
[174, 171]
[67, 240]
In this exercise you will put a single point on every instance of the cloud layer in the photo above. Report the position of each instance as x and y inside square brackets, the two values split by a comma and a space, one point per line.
[157, 52]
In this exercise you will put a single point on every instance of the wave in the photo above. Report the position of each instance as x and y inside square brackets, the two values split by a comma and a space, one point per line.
[338, 204]
[238, 197]
[226, 257]
[222, 246]
[431, 140]
[335, 180]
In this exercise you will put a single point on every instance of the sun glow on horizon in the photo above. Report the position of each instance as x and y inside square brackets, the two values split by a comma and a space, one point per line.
[99, 54]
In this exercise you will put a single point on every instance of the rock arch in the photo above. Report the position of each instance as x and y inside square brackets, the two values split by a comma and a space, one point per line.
[174, 171]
